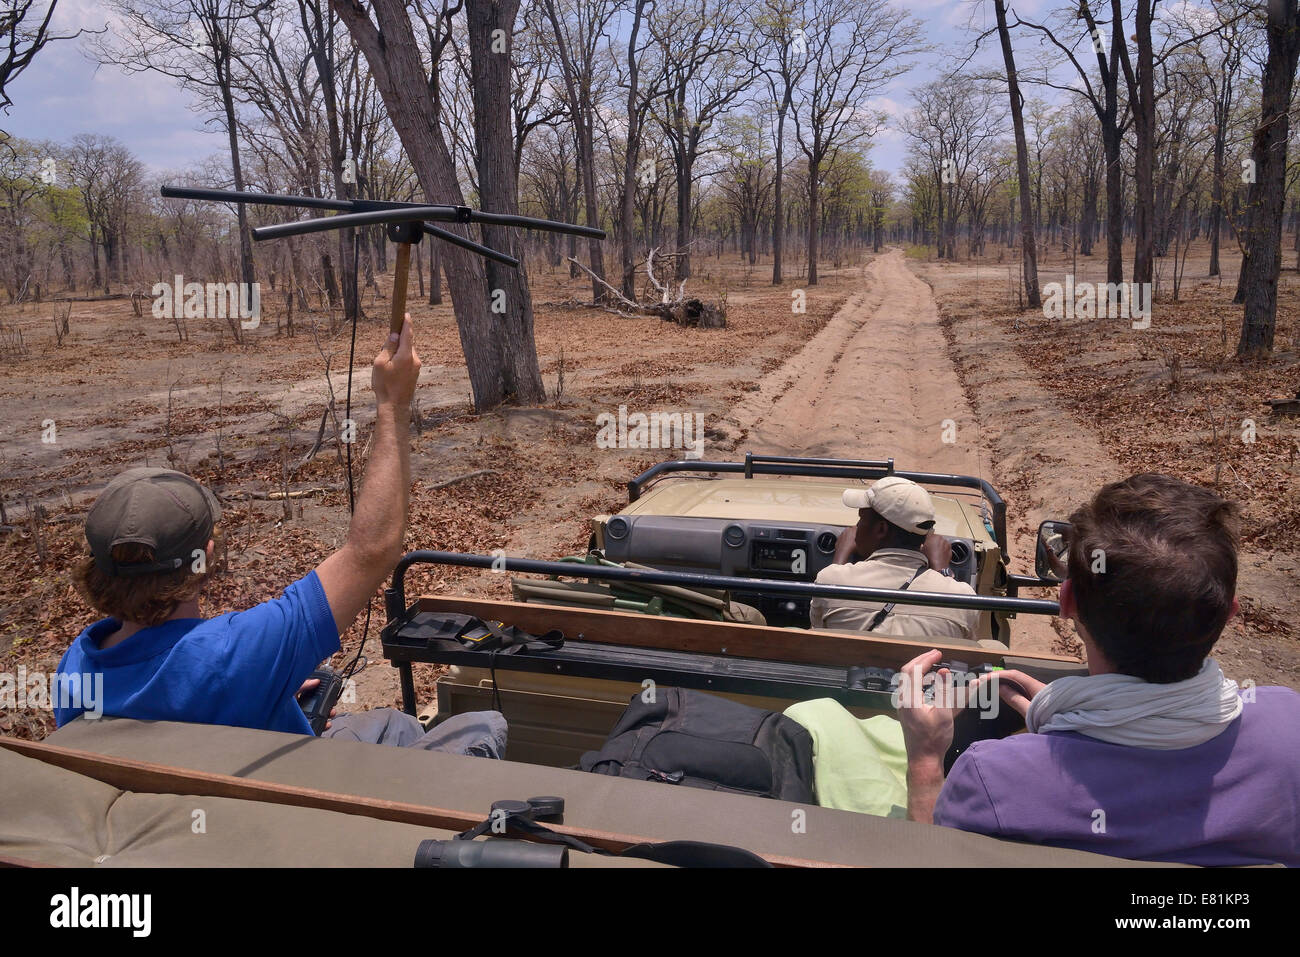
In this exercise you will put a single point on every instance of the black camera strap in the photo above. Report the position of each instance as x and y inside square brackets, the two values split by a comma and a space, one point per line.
[889, 609]
[518, 816]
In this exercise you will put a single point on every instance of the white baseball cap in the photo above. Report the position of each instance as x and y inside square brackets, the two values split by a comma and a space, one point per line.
[898, 501]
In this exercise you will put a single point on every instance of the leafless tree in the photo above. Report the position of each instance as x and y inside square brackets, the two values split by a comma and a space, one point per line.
[579, 26]
[491, 30]
[499, 350]
[1220, 57]
[782, 57]
[1084, 37]
[855, 49]
[700, 44]
[319, 27]
[24, 32]
[535, 102]
[637, 104]
[549, 180]
[194, 42]
[1029, 252]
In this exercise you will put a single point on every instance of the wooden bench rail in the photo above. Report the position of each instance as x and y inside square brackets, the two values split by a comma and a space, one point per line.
[762, 642]
[146, 777]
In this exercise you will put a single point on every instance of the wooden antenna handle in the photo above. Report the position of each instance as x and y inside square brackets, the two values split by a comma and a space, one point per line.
[399, 287]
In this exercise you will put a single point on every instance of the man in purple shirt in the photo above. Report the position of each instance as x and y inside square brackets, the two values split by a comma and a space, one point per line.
[1154, 755]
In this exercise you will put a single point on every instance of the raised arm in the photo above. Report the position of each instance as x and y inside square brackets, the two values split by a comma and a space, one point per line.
[378, 530]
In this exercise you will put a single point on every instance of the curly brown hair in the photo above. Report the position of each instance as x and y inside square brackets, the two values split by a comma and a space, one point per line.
[144, 599]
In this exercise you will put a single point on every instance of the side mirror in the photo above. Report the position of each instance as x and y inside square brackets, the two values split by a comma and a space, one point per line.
[1050, 554]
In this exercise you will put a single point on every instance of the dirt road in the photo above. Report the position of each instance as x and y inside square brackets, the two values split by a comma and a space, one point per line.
[878, 382]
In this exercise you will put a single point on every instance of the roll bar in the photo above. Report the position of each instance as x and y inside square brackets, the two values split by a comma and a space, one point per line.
[830, 468]
[395, 595]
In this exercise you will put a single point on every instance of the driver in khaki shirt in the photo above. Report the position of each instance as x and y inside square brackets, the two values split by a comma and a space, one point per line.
[892, 546]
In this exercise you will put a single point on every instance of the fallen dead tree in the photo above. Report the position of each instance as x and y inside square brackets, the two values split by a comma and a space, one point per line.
[1284, 406]
[671, 307]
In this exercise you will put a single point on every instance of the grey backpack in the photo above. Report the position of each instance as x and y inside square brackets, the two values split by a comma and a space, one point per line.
[701, 740]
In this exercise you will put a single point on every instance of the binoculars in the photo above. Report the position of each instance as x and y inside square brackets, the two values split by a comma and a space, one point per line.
[462, 851]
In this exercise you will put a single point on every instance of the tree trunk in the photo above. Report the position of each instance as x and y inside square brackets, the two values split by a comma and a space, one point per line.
[321, 47]
[583, 111]
[397, 67]
[1216, 204]
[419, 271]
[95, 280]
[814, 213]
[683, 220]
[938, 217]
[1144, 122]
[296, 283]
[1029, 252]
[1267, 196]
[1112, 144]
[1088, 216]
[329, 281]
[246, 270]
[435, 276]
[627, 206]
[778, 219]
[571, 214]
[508, 287]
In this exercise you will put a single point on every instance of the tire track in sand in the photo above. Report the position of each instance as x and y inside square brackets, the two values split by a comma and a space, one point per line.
[875, 382]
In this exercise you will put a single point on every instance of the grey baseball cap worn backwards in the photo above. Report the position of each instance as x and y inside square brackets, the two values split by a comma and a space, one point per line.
[166, 510]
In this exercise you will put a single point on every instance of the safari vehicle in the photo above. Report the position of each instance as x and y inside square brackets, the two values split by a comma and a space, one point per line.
[116, 792]
[644, 613]
[119, 792]
[780, 519]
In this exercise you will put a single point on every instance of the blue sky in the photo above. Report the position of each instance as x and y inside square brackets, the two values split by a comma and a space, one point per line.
[65, 93]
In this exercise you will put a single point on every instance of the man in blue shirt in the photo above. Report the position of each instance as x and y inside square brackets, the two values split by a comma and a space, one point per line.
[151, 539]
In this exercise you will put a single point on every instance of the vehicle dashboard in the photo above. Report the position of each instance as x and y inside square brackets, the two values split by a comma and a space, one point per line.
[744, 548]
